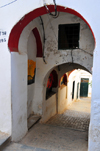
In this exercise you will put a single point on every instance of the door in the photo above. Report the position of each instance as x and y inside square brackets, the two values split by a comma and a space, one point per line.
[84, 87]
[73, 89]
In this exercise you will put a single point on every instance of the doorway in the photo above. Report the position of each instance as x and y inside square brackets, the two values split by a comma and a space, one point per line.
[84, 87]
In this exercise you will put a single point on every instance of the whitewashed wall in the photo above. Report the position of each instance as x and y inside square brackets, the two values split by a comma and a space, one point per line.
[31, 51]
[62, 99]
[72, 78]
[50, 108]
[86, 40]
[19, 95]
[86, 9]
[76, 76]
[5, 88]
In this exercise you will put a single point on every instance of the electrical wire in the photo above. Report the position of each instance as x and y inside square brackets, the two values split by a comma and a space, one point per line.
[52, 28]
[56, 13]
[43, 38]
[81, 50]
[86, 52]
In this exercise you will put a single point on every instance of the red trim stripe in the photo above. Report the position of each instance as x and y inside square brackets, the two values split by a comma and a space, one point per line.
[38, 41]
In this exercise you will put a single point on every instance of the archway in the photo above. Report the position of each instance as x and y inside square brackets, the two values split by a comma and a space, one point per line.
[78, 119]
[63, 91]
[18, 46]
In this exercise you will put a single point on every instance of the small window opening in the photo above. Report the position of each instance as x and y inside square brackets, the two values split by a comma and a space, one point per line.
[68, 36]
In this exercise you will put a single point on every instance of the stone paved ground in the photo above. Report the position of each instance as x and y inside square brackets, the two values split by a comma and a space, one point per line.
[55, 135]
[21, 147]
[77, 116]
[56, 138]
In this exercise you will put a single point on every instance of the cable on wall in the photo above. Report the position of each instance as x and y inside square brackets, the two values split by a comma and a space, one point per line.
[81, 50]
[52, 28]
[56, 13]
[43, 39]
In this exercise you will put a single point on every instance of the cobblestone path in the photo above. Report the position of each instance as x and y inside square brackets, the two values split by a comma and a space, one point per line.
[77, 116]
[56, 138]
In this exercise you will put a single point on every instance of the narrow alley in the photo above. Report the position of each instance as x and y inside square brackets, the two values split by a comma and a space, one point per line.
[63, 132]
[77, 116]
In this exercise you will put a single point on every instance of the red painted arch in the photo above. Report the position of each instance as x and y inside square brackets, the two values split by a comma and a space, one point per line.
[18, 28]
[38, 42]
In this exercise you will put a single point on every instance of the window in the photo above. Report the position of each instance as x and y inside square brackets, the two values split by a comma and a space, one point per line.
[68, 36]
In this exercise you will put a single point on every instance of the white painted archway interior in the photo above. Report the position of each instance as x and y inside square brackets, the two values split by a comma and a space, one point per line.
[61, 97]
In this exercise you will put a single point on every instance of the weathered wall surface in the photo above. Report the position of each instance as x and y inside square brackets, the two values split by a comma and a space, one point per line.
[71, 79]
[49, 108]
[19, 95]
[27, 44]
[86, 42]
[27, 41]
[5, 84]
[94, 131]
[5, 89]
[86, 9]
[62, 99]
[54, 57]
[31, 51]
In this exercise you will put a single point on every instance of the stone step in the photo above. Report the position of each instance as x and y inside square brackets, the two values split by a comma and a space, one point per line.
[33, 120]
[4, 140]
[21, 147]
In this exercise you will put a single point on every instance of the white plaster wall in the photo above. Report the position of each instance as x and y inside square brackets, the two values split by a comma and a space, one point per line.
[76, 76]
[27, 40]
[50, 108]
[62, 99]
[90, 87]
[31, 51]
[86, 9]
[94, 130]
[5, 89]
[70, 87]
[19, 95]
[49, 105]
[27, 44]
[31, 47]
[30, 97]
[7, 8]
[86, 40]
